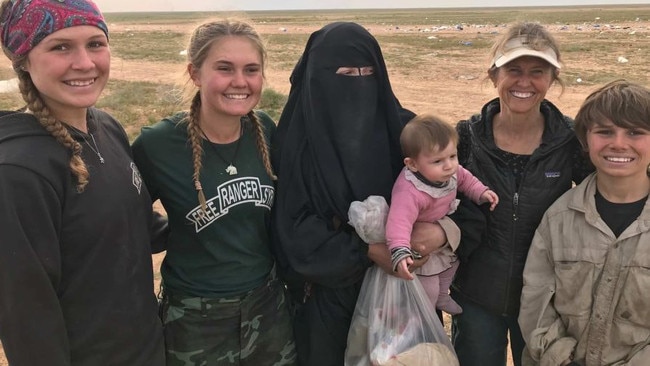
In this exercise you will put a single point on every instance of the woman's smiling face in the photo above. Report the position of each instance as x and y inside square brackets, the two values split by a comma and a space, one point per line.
[70, 68]
[522, 84]
[231, 77]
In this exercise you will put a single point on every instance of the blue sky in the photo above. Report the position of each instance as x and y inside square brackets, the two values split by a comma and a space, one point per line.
[243, 5]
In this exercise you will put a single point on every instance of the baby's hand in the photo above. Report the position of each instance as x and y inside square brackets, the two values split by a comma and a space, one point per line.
[403, 268]
[490, 196]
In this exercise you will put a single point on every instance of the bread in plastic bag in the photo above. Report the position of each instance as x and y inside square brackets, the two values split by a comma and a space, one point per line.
[425, 354]
[393, 319]
[368, 218]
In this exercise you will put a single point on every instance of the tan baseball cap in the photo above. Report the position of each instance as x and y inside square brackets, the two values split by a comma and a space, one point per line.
[518, 47]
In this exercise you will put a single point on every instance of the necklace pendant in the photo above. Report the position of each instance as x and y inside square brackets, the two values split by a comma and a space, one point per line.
[101, 159]
[231, 170]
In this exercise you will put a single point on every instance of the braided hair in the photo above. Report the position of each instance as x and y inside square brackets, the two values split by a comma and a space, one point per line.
[56, 128]
[37, 106]
[203, 37]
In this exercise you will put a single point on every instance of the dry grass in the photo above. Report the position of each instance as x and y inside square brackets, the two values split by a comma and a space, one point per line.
[434, 66]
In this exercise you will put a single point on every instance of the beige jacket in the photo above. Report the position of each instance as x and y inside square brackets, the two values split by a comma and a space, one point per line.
[586, 293]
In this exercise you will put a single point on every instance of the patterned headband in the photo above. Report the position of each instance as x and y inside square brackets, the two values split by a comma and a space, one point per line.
[25, 23]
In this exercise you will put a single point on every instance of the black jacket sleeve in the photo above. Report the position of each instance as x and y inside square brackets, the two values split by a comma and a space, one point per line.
[32, 326]
[159, 228]
[469, 217]
[159, 232]
[582, 165]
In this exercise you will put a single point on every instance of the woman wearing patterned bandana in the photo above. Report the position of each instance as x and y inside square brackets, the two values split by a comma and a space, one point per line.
[76, 221]
[210, 167]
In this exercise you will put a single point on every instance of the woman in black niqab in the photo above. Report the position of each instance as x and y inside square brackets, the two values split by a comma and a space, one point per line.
[337, 141]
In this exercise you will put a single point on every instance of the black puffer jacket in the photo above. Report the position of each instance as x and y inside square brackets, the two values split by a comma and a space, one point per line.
[494, 245]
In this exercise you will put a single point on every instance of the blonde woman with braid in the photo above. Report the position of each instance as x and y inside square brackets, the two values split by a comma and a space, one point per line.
[75, 218]
[210, 167]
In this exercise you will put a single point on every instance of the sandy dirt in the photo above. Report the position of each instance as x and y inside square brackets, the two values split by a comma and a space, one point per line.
[451, 87]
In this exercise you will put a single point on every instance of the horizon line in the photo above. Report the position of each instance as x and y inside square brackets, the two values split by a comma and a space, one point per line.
[487, 7]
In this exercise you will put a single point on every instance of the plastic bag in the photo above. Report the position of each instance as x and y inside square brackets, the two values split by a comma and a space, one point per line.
[368, 218]
[394, 323]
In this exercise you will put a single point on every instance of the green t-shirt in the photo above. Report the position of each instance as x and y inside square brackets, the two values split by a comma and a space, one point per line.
[225, 251]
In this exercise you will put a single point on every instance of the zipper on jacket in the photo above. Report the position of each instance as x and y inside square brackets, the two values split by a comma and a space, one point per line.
[513, 242]
[515, 204]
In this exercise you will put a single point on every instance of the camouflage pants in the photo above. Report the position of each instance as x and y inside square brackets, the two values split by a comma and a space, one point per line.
[254, 329]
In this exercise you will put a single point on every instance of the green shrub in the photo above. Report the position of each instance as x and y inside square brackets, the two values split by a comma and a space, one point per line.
[272, 103]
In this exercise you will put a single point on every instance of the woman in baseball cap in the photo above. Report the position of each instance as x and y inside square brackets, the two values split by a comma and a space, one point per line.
[523, 148]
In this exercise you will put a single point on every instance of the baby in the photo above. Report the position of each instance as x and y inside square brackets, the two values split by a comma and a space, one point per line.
[425, 190]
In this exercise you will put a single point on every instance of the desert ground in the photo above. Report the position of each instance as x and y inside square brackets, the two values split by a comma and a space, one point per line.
[449, 83]
[437, 60]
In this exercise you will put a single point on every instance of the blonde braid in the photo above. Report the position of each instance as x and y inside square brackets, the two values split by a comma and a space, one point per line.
[262, 146]
[201, 41]
[36, 105]
[194, 133]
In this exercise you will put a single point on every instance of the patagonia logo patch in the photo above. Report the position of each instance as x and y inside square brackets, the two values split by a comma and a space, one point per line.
[552, 174]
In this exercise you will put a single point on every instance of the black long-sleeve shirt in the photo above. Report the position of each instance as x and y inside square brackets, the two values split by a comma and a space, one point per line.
[76, 283]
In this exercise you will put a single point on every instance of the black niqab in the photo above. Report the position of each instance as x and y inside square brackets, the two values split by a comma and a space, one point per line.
[337, 141]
